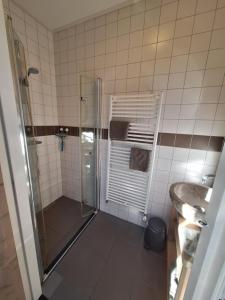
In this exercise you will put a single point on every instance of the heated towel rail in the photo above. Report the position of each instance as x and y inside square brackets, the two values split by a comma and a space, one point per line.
[126, 186]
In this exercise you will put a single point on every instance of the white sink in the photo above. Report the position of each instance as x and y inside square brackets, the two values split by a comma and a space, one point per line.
[191, 201]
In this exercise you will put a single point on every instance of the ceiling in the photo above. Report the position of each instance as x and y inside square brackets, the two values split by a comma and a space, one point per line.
[55, 14]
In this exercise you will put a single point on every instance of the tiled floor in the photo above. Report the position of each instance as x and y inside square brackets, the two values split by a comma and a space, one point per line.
[109, 263]
[61, 220]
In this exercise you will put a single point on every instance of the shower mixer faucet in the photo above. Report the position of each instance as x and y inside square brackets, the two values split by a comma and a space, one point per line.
[82, 99]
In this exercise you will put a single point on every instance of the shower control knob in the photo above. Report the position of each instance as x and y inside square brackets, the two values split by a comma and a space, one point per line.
[82, 99]
[144, 218]
[61, 129]
[67, 130]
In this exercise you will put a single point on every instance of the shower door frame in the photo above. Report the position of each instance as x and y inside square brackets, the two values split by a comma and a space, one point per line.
[45, 272]
[98, 129]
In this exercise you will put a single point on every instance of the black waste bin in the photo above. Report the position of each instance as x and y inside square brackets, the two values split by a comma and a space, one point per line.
[155, 235]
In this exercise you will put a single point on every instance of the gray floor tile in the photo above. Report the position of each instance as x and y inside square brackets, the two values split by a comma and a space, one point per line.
[49, 287]
[109, 262]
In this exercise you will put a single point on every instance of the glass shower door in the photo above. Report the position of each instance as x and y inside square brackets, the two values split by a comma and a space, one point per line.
[89, 143]
[30, 142]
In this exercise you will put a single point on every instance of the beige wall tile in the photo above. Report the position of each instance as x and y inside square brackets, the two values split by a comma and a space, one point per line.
[186, 8]
[168, 12]
[184, 26]
[152, 17]
[200, 42]
[219, 19]
[206, 5]
[166, 31]
[150, 35]
[181, 45]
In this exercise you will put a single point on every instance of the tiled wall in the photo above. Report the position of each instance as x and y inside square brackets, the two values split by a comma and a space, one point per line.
[39, 51]
[10, 280]
[174, 46]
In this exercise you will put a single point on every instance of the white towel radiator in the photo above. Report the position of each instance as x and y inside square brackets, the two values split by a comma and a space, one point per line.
[126, 186]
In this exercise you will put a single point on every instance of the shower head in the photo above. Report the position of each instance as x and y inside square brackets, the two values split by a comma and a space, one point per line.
[32, 71]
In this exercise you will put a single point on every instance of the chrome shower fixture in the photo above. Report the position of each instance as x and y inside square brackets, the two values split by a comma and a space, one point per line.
[82, 99]
[32, 70]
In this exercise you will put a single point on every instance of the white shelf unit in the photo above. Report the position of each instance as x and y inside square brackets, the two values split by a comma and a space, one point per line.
[124, 185]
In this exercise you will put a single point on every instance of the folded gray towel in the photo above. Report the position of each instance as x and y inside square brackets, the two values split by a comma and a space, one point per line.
[139, 159]
[118, 130]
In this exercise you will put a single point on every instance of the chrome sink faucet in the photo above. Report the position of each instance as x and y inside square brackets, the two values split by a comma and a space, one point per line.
[208, 179]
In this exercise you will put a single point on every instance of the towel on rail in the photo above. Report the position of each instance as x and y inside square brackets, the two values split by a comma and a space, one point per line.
[139, 159]
[118, 130]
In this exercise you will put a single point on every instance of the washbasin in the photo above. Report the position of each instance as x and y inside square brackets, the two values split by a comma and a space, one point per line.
[191, 201]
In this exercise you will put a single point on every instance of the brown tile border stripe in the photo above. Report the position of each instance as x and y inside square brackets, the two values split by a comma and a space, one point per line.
[42, 130]
[199, 142]
[51, 130]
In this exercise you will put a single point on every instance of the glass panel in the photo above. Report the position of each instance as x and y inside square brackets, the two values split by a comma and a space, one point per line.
[89, 120]
[27, 134]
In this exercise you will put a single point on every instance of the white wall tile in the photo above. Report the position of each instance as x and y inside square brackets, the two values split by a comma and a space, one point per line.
[162, 66]
[166, 31]
[213, 77]
[147, 68]
[152, 17]
[203, 127]
[218, 39]
[181, 154]
[186, 126]
[174, 96]
[191, 95]
[220, 3]
[206, 111]
[150, 35]
[137, 22]
[218, 128]
[179, 63]
[188, 111]
[194, 79]
[220, 112]
[164, 49]
[210, 94]
[197, 61]
[181, 45]
[216, 58]
[171, 112]
[176, 80]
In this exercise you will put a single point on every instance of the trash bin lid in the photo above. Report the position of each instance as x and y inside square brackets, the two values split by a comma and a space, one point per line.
[157, 225]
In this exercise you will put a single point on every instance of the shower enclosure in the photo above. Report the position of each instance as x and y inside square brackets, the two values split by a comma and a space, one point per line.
[49, 254]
